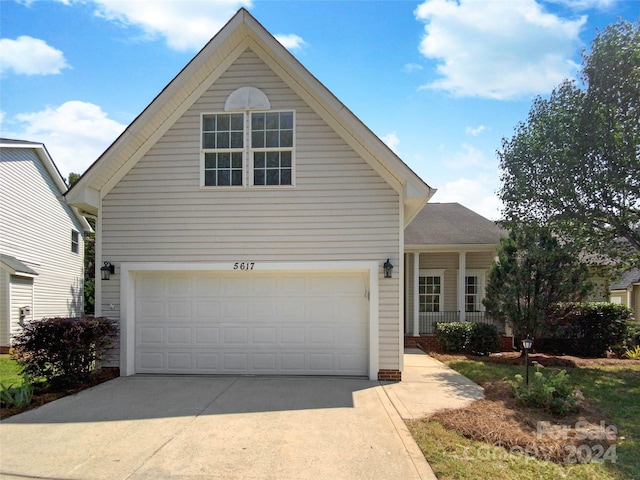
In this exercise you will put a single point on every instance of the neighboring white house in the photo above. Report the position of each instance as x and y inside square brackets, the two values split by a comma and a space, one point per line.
[248, 214]
[41, 240]
[626, 291]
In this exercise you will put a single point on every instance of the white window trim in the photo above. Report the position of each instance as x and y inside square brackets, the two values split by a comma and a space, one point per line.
[247, 153]
[431, 272]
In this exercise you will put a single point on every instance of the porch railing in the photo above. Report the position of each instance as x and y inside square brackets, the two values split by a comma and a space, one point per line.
[427, 321]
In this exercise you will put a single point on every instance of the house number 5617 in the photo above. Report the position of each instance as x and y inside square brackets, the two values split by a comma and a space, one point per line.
[243, 265]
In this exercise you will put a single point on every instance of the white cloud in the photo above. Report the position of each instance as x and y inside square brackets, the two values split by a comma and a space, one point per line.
[498, 49]
[184, 24]
[475, 194]
[475, 131]
[468, 157]
[291, 42]
[392, 141]
[412, 67]
[75, 133]
[30, 56]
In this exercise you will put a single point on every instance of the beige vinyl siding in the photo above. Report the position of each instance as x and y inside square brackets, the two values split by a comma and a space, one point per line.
[340, 208]
[36, 229]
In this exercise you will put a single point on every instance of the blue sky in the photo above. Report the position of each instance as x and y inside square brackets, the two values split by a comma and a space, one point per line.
[441, 81]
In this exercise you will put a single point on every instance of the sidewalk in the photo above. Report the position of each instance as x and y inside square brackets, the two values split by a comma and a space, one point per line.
[428, 386]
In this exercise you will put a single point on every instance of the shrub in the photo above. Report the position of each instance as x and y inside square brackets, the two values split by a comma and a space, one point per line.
[633, 353]
[19, 396]
[552, 392]
[63, 351]
[483, 339]
[453, 336]
[584, 329]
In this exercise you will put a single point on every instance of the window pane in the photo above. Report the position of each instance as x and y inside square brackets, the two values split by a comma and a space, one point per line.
[272, 121]
[258, 177]
[209, 123]
[273, 160]
[223, 140]
[285, 159]
[236, 176]
[223, 122]
[224, 177]
[208, 140]
[210, 178]
[259, 160]
[273, 177]
[286, 120]
[257, 139]
[209, 160]
[236, 160]
[257, 121]
[272, 139]
[237, 140]
[286, 138]
[285, 177]
[224, 160]
[237, 122]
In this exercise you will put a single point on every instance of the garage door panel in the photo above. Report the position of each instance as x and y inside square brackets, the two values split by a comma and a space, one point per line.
[275, 323]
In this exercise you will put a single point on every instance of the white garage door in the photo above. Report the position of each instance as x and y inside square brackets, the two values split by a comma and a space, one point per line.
[252, 323]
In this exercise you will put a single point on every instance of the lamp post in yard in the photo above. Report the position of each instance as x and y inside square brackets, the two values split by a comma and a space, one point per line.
[526, 344]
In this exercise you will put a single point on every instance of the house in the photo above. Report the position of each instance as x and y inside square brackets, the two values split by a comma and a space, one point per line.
[41, 240]
[626, 291]
[244, 222]
[448, 252]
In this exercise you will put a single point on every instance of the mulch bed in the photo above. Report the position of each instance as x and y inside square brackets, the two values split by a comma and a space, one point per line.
[498, 421]
[42, 396]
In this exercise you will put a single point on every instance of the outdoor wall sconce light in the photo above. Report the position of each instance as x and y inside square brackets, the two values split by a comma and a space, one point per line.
[388, 268]
[527, 343]
[107, 270]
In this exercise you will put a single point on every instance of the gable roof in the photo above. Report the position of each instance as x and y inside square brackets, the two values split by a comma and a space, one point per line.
[241, 32]
[627, 279]
[43, 155]
[450, 225]
[16, 267]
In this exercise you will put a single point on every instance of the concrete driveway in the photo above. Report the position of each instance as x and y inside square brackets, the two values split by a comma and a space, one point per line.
[160, 427]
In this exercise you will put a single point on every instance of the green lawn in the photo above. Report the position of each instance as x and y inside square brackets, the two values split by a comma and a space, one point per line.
[615, 390]
[9, 372]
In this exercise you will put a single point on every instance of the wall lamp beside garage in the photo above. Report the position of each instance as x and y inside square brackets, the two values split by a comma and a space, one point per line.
[107, 270]
[388, 269]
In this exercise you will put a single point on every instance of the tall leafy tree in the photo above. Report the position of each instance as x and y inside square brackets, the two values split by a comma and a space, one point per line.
[574, 165]
[533, 272]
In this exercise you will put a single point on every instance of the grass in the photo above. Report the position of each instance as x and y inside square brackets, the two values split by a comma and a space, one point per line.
[612, 389]
[9, 371]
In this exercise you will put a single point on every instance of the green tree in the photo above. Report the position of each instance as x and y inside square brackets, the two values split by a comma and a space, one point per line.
[574, 165]
[533, 272]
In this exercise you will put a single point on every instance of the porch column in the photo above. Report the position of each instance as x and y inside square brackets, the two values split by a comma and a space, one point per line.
[416, 294]
[462, 270]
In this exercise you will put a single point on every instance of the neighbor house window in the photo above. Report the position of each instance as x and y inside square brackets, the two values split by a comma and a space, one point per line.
[75, 242]
[223, 149]
[265, 149]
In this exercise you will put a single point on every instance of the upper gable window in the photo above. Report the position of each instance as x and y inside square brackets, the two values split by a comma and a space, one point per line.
[272, 147]
[223, 147]
[248, 144]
